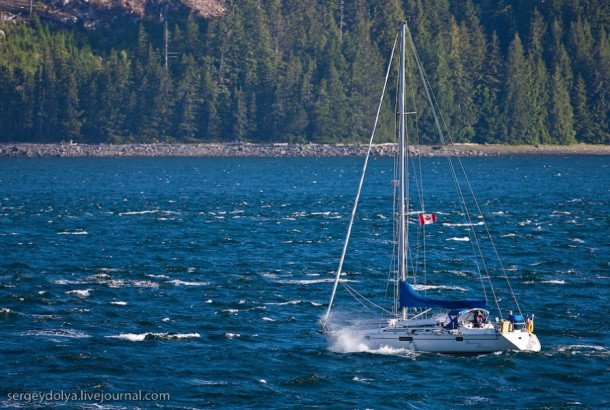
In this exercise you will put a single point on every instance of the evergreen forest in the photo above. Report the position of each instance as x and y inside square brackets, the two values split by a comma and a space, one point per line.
[300, 71]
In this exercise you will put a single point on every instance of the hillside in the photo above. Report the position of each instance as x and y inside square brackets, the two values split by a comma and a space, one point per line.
[95, 13]
[102, 71]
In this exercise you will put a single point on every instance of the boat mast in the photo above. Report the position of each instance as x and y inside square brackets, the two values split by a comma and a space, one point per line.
[402, 264]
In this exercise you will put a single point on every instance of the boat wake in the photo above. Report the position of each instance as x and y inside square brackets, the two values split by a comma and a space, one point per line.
[350, 340]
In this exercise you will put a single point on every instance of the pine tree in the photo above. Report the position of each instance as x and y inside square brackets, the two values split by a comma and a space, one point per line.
[188, 100]
[561, 115]
[584, 126]
[240, 116]
[516, 98]
[537, 130]
[365, 77]
[600, 86]
[492, 124]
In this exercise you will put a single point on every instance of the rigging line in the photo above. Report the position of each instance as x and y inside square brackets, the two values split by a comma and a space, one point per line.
[353, 215]
[418, 178]
[488, 234]
[358, 296]
[463, 202]
[443, 142]
[472, 232]
[493, 245]
[393, 260]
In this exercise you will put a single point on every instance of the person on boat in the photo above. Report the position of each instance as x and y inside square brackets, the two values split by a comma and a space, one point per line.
[529, 323]
[478, 321]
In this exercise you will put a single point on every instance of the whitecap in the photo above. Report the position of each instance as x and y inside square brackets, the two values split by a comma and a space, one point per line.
[457, 225]
[177, 282]
[75, 232]
[144, 284]
[268, 275]
[68, 282]
[292, 302]
[444, 287]
[576, 349]
[82, 292]
[268, 319]
[305, 281]
[554, 282]
[463, 239]
[67, 333]
[137, 213]
[119, 303]
[232, 335]
[139, 337]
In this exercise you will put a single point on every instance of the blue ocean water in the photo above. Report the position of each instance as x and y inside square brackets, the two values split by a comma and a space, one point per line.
[199, 283]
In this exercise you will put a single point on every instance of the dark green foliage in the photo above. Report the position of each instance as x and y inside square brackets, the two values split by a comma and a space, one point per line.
[311, 71]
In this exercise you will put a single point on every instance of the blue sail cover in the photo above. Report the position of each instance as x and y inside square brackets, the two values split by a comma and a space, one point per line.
[410, 298]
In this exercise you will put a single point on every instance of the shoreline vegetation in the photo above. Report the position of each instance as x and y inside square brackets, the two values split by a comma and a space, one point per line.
[72, 150]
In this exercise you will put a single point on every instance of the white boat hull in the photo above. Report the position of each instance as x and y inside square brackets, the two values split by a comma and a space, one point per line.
[436, 340]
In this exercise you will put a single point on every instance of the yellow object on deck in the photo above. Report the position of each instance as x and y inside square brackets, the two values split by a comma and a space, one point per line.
[505, 326]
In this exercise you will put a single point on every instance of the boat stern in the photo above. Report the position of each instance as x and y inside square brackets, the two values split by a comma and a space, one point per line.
[523, 341]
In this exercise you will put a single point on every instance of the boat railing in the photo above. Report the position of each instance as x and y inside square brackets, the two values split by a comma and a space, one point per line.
[507, 326]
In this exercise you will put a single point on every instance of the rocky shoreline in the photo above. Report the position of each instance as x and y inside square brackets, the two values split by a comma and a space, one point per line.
[283, 150]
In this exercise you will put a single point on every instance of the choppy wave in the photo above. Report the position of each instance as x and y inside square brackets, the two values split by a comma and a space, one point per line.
[67, 333]
[229, 307]
[459, 239]
[80, 292]
[127, 213]
[177, 282]
[554, 281]
[293, 302]
[457, 225]
[305, 281]
[585, 350]
[104, 279]
[444, 287]
[75, 232]
[139, 337]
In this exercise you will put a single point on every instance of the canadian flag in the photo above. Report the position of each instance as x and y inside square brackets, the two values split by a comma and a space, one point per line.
[425, 219]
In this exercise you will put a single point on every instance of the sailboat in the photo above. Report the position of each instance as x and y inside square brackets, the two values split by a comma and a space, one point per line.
[416, 321]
